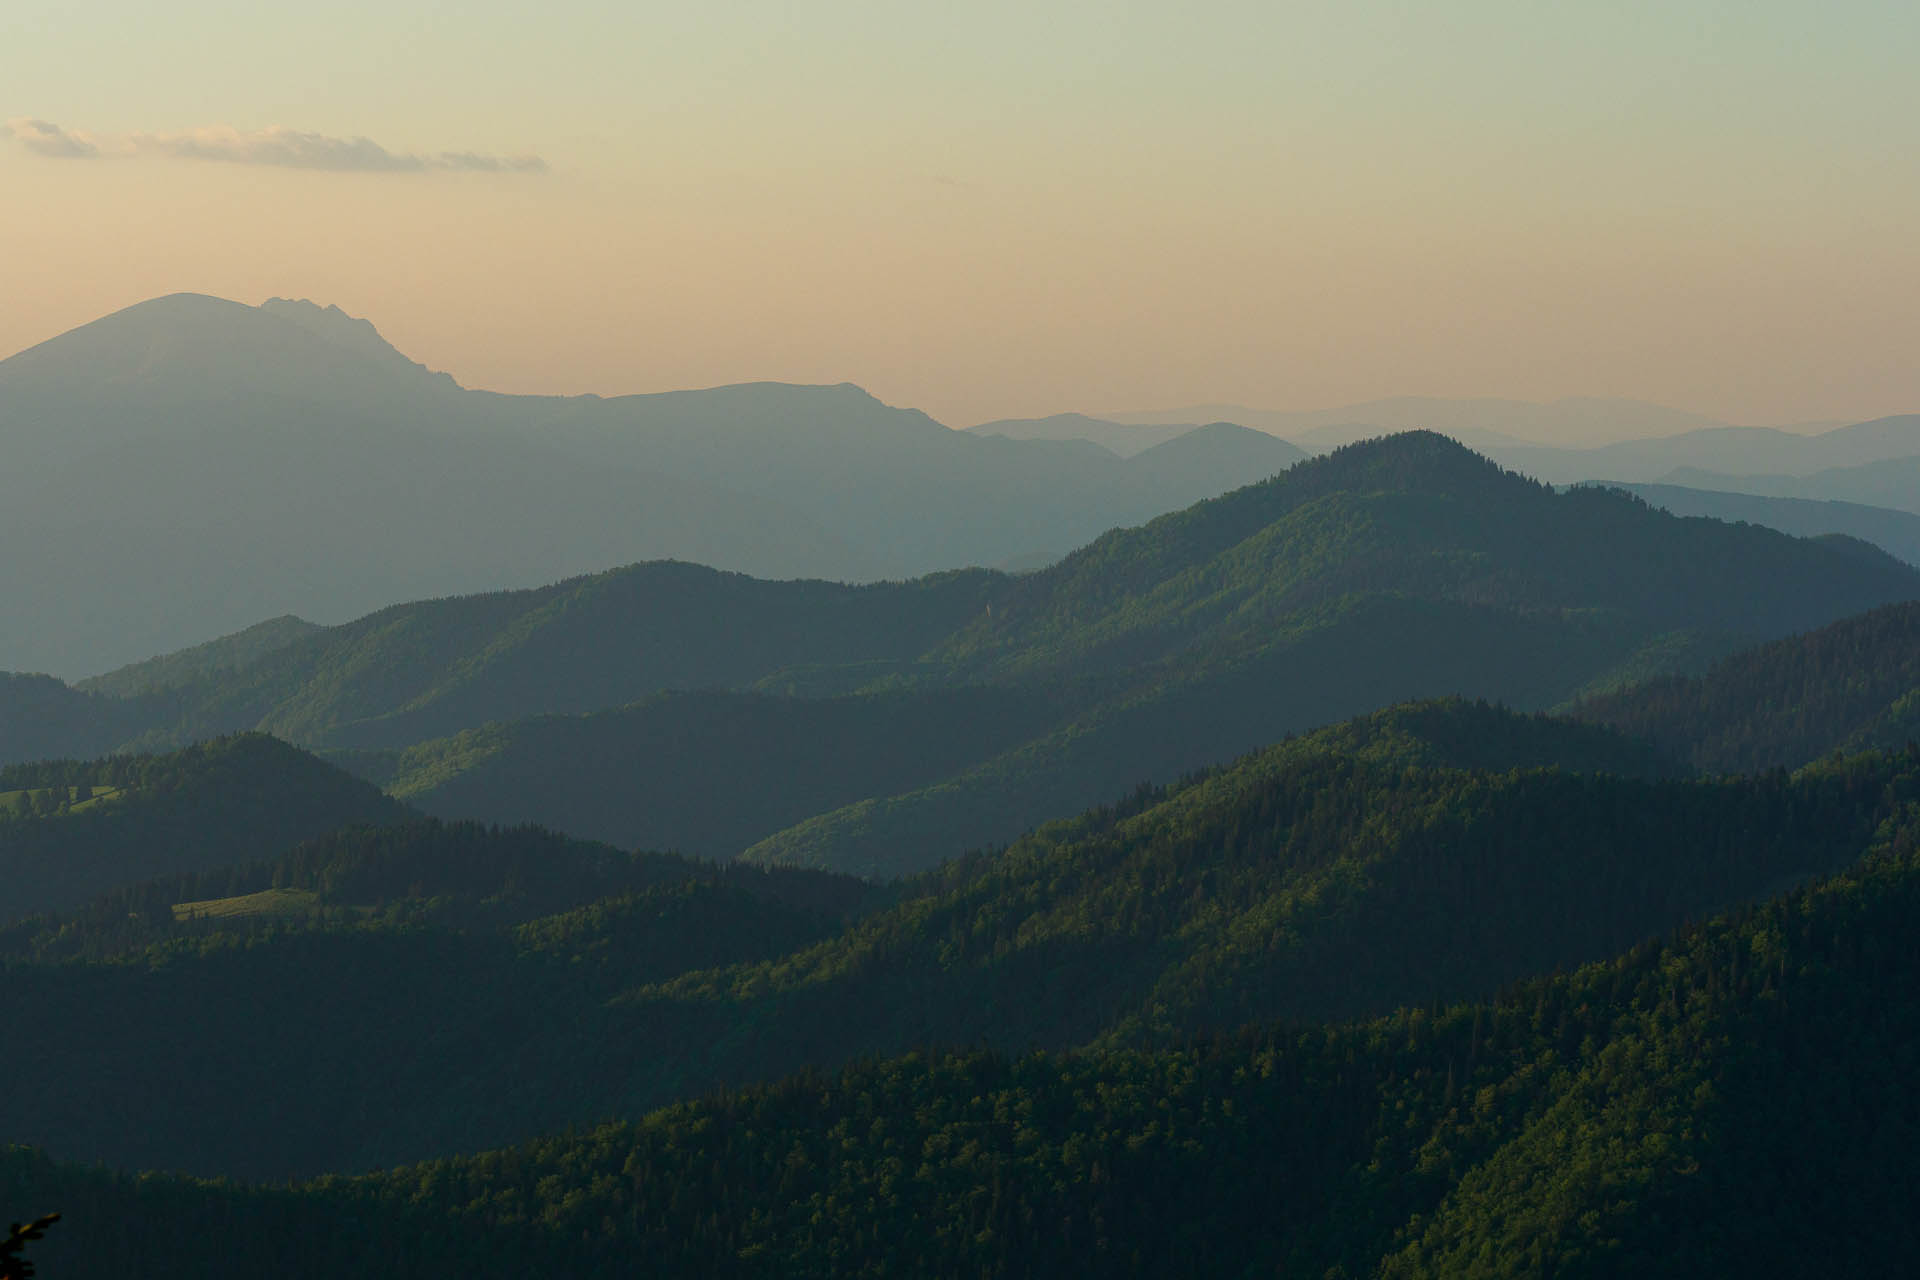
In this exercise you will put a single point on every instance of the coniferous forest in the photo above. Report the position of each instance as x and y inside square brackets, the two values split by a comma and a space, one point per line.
[1391, 867]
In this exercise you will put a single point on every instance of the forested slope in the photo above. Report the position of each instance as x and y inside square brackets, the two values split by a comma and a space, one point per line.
[1732, 1101]
[712, 772]
[423, 670]
[1394, 569]
[389, 995]
[70, 830]
[1846, 687]
[375, 995]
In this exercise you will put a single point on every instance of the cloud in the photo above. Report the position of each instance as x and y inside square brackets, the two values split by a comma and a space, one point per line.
[288, 148]
[45, 138]
[475, 162]
[278, 146]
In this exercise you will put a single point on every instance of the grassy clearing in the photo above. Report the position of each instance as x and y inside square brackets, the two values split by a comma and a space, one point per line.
[67, 796]
[268, 902]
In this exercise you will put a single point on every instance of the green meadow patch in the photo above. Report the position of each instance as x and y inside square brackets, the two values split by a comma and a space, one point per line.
[65, 799]
[267, 902]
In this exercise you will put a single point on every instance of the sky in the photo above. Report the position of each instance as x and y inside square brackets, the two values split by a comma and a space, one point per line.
[998, 209]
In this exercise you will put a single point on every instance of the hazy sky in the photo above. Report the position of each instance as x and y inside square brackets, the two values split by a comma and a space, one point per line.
[997, 209]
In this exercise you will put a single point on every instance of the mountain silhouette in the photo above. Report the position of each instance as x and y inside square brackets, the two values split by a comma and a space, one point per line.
[189, 465]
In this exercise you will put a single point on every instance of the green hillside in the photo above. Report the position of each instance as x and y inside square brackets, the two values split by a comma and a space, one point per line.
[542, 983]
[70, 830]
[1732, 1101]
[220, 657]
[1414, 514]
[1400, 568]
[374, 995]
[1395, 569]
[42, 718]
[1847, 687]
[420, 671]
[710, 773]
[423, 873]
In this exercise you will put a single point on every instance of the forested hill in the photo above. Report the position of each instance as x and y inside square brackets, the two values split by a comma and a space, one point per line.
[72, 829]
[1394, 569]
[1419, 515]
[1732, 1101]
[1846, 687]
[1339, 875]
[43, 718]
[214, 659]
[418, 671]
[711, 772]
[1400, 568]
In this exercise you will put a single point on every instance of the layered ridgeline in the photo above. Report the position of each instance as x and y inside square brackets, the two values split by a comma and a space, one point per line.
[419, 671]
[1394, 569]
[1848, 687]
[959, 710]
[1895, 532]
[70, 830]
[1732, 1101]
[1792, 480]
[328, 475]
[399, 993]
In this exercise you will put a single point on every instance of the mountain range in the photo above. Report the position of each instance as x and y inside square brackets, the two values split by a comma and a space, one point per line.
[1182, 941]
[1385, 861]
[880, 729]
[1894, 531]
[326, 475]
[1575, 423]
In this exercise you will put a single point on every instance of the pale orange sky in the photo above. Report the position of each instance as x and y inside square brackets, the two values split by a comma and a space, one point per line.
[1011, 210]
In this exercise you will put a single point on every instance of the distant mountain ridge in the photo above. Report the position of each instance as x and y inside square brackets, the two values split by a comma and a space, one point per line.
[1579, 422]
[1588, 439]
[328, 475]
[1886, 482]
[955, 711]
[1125, 439]
[1672, 459]
[1893, 531]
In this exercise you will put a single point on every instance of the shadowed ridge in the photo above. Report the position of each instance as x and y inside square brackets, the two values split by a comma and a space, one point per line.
[1854, 685]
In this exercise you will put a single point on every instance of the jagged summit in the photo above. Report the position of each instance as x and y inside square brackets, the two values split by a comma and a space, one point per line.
[192, 343]
[343, 330]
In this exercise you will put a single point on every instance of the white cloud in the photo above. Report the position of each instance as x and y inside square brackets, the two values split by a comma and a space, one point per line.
[45, 138]
[277, 146]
